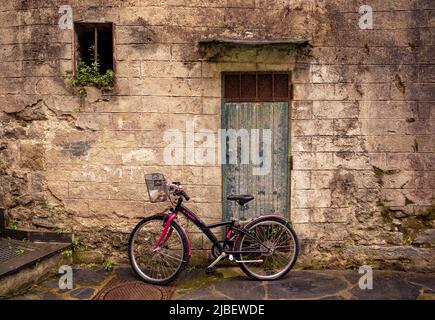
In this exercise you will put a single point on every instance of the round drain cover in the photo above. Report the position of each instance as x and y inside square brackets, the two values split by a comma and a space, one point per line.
[133, 291]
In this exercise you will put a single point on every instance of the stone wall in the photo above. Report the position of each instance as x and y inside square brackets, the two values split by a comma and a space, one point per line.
[362, 120]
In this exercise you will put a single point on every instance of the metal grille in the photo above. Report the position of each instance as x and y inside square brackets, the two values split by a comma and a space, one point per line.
[248, 86]
[119, 289]
[265, 87]
[9, 251]
[232, 86]
[257, 87]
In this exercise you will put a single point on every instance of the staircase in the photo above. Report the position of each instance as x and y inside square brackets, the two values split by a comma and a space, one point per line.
[27, 257]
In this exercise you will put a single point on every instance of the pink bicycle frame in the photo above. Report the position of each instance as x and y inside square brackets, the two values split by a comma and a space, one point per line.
[166, 234]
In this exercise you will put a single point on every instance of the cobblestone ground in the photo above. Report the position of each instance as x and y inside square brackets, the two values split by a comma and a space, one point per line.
[230, 283]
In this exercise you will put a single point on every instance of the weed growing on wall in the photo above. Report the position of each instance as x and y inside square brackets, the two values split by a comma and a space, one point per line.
[89, 75]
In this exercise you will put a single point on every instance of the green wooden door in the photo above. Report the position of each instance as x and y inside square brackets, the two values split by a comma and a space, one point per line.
[270, 190]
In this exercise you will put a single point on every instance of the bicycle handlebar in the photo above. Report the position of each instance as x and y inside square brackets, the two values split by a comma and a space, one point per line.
[185, 196]
[177, 190]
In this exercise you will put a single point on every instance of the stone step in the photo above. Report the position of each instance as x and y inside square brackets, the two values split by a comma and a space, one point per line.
[24, 263]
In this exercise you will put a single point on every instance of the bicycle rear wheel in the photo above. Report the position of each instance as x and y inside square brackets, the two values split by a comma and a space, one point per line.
[273, 246]
[168, 261]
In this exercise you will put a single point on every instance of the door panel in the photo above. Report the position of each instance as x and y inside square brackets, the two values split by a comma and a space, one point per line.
[270, 190]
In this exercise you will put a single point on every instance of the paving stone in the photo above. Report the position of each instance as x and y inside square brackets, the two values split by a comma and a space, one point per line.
[82, 293]
[244, 289]
[199, 294]
[229, 283]
[51, 284]
[49, 296]
[388, 287]
[305, 285]
[125, 273]
[29, 296]
[420, 280]
[332, 298]
[87, 277]
[426, 280]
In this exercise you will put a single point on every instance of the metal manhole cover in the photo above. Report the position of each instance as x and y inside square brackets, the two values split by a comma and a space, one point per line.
[133, 290]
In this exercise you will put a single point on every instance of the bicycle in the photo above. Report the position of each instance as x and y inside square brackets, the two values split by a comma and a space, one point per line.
[266, 248]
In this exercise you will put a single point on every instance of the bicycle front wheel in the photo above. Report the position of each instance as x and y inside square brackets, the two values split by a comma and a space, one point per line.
[163, 265]
[269, 250]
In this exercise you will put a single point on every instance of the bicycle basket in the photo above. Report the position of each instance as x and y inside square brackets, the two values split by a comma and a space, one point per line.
[157, 187]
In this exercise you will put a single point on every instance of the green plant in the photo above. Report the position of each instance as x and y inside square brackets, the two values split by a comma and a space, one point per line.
[13, 224]
[59, 230]
[407, 241]
[353, 265]
[191, 268]
[77, 244]
[68, 253]
[90, 74]
[19, 251]
[109, 264]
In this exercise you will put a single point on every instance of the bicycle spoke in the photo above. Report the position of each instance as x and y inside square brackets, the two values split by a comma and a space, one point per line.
[170, 256]
[277, 238]
[166, 260]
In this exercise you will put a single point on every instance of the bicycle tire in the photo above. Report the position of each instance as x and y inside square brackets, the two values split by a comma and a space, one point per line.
[239, 242]
[185, 256]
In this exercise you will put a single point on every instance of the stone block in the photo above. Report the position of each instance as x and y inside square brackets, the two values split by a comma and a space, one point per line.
[301, 180]
[116, 208]
[335, 109]
[393, 143]
[128, 69]
[211, 106]
[411, 161]
[32, 155]
[187, 87]
[313, 92]
[320, 179]
[302, 109]
[426, 237]
[311, 198]
[58, 188]
[312, 127]
[171, 69]
[302, 144]
[77, 207]
[346, 127]
[94, 122]
[338, 144]
[300, 216]
[150, 52]
[352, 160]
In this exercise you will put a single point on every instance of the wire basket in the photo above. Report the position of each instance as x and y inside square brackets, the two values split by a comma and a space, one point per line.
[157, 187]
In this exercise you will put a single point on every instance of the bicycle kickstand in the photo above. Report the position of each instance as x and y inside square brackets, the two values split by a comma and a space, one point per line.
[211, 266]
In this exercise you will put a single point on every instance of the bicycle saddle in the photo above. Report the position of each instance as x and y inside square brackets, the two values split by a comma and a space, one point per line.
[241, 199]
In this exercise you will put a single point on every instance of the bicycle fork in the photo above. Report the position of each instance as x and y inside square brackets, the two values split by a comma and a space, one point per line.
[167, 231]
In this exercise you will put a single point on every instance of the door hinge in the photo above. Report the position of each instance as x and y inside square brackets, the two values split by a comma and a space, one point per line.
[291, 162]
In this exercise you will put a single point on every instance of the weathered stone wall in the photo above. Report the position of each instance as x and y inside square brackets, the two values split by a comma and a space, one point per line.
[362, 119]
